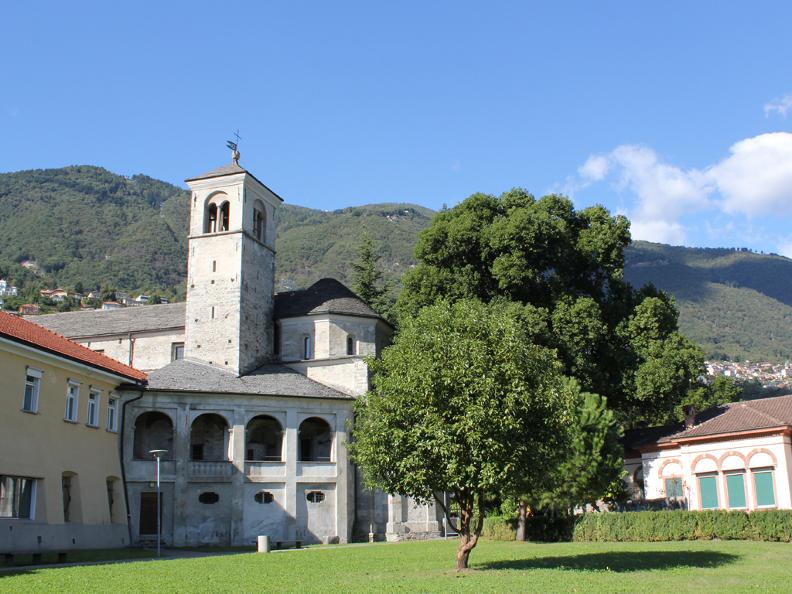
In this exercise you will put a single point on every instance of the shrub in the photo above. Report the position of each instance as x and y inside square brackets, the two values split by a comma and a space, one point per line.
[775, 525]
[499, 528]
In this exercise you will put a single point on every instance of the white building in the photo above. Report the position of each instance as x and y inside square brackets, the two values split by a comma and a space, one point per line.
[735, 456]
[251, 393]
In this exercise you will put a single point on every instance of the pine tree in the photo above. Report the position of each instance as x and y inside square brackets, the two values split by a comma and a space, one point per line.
[367, 275]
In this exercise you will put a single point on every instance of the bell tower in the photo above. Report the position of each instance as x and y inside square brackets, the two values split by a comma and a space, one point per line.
[230, 269]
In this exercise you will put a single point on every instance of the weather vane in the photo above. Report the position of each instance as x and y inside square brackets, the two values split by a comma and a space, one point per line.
[234, 146]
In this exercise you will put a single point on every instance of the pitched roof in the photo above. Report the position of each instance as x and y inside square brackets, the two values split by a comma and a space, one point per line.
[232, 169]
[324, 296]
[735, 417]
[268, 380]
[97, 322]
[23, 331]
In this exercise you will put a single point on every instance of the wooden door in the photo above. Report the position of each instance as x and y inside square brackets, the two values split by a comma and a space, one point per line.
[148, 513]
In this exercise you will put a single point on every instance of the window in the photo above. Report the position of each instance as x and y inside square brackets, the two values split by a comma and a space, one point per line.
[211, 219]
[66, 488]
[72, 399]
[708, 491]
[17, 497]
[264, 497]
[735, 489]
[110, 483]
[224, 216]
[112, 414]
[177, 351]
[259, 224]
[673, 487]
[93, 408]
[315, 497]
[209, 498]
[351, 345]
[32, 387]
[763, 484]
[307, 350]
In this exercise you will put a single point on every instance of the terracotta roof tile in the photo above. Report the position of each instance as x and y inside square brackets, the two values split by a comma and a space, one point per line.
[747, 415]
[19, 330]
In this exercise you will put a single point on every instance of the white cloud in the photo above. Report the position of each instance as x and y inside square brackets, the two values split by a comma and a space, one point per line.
[779, 106]
[756, 178]
[785, 248]
[595, 168]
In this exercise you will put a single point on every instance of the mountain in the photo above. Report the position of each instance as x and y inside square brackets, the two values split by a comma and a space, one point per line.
[84, 227]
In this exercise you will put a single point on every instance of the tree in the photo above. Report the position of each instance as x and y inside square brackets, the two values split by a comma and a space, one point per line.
[367, 276]
[464, 402]
[616, 341]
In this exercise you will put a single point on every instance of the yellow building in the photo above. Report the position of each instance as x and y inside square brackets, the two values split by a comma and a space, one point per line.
[61, 482]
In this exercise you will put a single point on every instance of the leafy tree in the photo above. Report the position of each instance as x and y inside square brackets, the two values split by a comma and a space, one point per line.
[616, 341]
[367, 276]
[463, 402]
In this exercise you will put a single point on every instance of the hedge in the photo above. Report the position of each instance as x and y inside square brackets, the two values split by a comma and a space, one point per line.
[773, 525]
[770, 525]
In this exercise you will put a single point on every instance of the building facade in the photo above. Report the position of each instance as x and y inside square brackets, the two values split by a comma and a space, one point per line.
[250, 392]
[735, 456]
[60, 474]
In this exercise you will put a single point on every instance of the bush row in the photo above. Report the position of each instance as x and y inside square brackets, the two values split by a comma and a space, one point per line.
[770, 525]
[773, 525]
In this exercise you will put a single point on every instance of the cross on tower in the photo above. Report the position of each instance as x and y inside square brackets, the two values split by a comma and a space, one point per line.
[234, 146]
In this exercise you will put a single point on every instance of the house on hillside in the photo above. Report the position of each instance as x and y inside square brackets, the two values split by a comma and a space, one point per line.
[60, 471]
[29, 309]
[734, 456]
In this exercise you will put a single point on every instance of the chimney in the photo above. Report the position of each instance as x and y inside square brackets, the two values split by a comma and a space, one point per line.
[690, 415]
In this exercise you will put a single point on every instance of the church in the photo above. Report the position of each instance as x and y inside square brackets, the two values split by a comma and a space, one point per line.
[250, 392]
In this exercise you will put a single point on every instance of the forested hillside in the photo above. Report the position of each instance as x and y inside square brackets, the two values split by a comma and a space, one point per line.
[84, 227]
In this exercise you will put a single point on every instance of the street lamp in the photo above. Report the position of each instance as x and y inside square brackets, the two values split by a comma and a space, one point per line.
[158, 454]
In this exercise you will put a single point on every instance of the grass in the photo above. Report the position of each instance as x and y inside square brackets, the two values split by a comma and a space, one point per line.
[83, 556]
[712, 566]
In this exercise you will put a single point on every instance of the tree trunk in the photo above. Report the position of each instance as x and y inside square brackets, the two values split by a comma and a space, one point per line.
[522, 512]
[468, 538]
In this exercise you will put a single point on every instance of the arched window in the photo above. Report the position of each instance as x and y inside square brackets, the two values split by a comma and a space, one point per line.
[153, 431]
[351, 345]
[225, 215]
[316, 440]
[210, 224]
[307, 348]
[264, 439]
[259, 221]
[209, 438]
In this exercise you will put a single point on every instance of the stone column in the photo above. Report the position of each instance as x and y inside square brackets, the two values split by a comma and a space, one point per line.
[394, 528]
[238, 478]
[181, 457]
[345, 492]
[290, 456]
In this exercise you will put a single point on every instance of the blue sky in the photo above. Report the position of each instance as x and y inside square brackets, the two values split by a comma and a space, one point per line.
[678, 114]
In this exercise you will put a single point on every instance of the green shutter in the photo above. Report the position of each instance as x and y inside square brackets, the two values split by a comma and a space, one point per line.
[735, 485]
[765, 494]
[673, 488]
[708, 487]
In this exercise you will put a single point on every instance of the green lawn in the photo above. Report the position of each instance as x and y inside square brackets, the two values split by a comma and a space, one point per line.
[427, 567]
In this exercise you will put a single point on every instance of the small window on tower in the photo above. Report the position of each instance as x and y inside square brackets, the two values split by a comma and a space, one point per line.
[177, 351]
[351, 345]
[211, 219]
[307, 350]
[225, 215]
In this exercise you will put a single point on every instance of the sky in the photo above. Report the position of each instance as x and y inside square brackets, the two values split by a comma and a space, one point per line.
[675, 114]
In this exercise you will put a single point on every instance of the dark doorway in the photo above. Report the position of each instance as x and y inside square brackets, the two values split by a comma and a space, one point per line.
[148, 513]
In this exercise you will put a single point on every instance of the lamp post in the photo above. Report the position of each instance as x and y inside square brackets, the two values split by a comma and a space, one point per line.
[158, 454]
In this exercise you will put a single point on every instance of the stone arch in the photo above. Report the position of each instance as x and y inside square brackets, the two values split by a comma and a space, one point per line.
[153, 431]
[666, 463]
[702, 457]
[757, 451]
[316, 440]
[224, 216]
[264, 439]
[209, 438]
[213, 207]
[729, 454]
